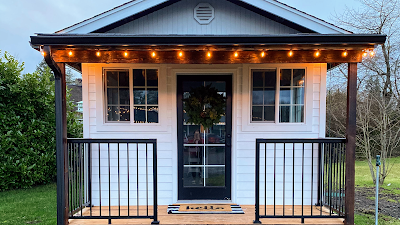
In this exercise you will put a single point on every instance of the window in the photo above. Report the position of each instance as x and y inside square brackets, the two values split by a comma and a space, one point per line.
[144, 95]
[289, 91]
[118, 99]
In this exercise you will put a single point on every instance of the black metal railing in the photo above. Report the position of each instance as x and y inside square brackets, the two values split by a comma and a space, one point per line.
[300, 178]
[112, 179]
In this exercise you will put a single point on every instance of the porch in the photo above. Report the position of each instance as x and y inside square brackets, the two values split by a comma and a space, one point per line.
[297, 181]
[246, 218]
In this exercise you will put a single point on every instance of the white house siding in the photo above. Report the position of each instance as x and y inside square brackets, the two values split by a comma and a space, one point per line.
[178, 19]
[243, 142]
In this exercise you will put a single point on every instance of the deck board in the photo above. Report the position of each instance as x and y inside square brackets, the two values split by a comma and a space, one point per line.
[214, 219]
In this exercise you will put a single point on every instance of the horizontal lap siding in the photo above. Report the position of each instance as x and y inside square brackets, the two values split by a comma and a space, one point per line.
[164, 146]
[178, 19]
[245, 156]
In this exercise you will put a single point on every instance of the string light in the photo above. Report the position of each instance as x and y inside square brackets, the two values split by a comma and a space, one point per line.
[345, 53]
[290, 53]
[364, 54]
[262, 54]
[43, 53]
[153, 54]
[317, 53]
[125, 53]
[236, 54]
[98, 53]
[372, 53]
[70, 53]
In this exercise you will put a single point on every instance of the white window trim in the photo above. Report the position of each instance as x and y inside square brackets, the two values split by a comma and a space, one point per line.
[267, 126]
[121, 126]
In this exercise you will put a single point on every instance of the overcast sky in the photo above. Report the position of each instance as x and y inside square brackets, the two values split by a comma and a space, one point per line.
[21, 18]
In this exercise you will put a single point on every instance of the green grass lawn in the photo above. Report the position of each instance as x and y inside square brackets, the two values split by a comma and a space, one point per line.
[29, 206]
[363, 178]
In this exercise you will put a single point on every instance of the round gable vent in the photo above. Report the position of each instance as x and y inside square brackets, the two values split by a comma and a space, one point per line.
[204, 13]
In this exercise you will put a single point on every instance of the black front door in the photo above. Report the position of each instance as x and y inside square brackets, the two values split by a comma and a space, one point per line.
[204, 154]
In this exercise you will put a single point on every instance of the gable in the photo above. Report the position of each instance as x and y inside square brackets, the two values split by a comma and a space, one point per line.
[179, 19]
[272, 9]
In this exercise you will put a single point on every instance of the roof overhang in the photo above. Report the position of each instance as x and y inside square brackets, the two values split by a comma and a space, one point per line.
[75, 49]
[300, 41]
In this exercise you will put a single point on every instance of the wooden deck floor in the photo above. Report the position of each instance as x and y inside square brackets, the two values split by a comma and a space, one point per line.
[202, 219]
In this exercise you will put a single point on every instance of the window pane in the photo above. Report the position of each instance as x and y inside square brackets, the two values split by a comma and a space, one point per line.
[112, 96]
[138, 77]
[124, 96]
[140, 114]
[286, 76]
[215, 156]
[193, 155]
[124, 79]
[112, 78]
[269, 113]
[284, 114]
[298, 77]
[152, 114]
[298, 96]
[284, 96]
[298, 113]
[257, 79]
[152, 96]
[112, 113]
[125, 115]
[257, 113]
[269, 96]
[257, 96]
[270, 78]
[152, 77]
[215, 176]
[192, 176]
[139, 95]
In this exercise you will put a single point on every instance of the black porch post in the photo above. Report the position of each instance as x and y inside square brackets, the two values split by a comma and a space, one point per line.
[61, 137]
[351, 143]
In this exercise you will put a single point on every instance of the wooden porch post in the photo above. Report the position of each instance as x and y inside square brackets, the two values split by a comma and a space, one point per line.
[351, 143]
[61, 136]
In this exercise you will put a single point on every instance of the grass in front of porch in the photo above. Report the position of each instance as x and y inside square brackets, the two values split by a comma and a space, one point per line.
[363, 180]
[37, 205]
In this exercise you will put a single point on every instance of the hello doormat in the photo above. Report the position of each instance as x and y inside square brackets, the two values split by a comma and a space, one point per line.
[205, 209]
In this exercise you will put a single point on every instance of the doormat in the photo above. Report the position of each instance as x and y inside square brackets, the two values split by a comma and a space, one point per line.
[205, 209]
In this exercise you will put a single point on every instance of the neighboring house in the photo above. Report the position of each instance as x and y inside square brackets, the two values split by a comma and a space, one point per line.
[140, 61]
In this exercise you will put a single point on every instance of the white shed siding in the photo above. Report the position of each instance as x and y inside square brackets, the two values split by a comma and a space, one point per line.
[179, 19]
[244, 133]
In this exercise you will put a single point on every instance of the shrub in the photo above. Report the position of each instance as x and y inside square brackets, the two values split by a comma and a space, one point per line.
[27, 126]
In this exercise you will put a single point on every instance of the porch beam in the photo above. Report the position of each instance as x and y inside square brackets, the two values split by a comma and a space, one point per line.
[61, 136]
[351, 143]
[201, 57]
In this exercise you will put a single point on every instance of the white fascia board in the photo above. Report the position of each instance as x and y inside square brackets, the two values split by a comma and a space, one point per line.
[112, 16]
[296, 16]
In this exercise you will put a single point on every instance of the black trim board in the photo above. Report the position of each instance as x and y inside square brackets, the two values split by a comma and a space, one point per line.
[138, 40]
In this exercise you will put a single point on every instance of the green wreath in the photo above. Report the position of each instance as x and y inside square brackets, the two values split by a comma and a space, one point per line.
[205, 106]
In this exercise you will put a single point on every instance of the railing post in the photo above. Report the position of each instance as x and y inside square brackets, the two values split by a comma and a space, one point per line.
[320, 166]
[257, 188]
[155, 204]
[351, 143]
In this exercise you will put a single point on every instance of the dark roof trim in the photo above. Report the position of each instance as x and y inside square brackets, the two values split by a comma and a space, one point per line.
[134, 17]
[273, 17]
[122, 40]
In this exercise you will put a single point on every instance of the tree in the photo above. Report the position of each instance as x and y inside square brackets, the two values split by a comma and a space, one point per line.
[27, 126]
[378, 110]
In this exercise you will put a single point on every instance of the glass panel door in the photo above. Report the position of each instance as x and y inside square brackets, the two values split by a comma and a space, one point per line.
[204, 165]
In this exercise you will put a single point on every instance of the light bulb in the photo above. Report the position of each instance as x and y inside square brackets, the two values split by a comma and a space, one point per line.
[209, 54]
[236, 54]
[345, 53]
[372, 53]
[70, 53]
[125, 53]
[262, 54]
[290, 53]
[153, 54]
[317, 54]
[180, 54]
[98, 53]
